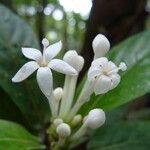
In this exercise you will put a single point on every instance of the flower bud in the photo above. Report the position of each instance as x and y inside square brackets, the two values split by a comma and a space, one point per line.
[63, 130]
[95, 118]
[100, 45]
[76, 120]
[45, 42]
[58, 93]
[57, 122]
[73, 59]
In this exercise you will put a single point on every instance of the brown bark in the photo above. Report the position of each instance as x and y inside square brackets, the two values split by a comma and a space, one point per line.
[117, 19]
[40, 20]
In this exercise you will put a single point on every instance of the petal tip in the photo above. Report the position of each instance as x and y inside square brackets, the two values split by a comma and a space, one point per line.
[60, 42]
[14, 80]
[23, 49]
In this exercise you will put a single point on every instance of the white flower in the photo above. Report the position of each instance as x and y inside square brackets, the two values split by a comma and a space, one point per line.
[63, 130]
[95, 118]
[105, 74]
[100, 45]
[44, 63]
[73, 59]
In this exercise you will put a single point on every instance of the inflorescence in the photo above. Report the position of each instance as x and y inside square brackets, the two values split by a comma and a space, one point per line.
[66, 124]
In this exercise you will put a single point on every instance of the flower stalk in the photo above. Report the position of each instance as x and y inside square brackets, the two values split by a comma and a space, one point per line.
[66, 103]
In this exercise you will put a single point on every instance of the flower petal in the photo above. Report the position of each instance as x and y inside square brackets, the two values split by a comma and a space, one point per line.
[25, 71]
[115, 79]
[111, 68]
[45, 81]
[102, 85]
[100, 62]
[32, 53]
[51, 51]
[93, 72]
[62, 67]
[72, 58]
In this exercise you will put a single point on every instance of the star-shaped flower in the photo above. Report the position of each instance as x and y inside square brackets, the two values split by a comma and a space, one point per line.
[44, 63]
[105, 74]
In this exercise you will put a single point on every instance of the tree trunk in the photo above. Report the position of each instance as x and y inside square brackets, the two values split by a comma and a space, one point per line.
[40, 20]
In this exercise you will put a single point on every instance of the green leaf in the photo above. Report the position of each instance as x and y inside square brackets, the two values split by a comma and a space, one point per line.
[121, 136]
[135, 82]
[142, 114]
[9, 111]
[15, 33]
[15, 137]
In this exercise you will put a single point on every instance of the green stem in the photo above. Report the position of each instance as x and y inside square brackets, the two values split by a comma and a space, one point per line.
[79, 133]
[83, 97]
[70, 95]
[51, 103]
[69, 89]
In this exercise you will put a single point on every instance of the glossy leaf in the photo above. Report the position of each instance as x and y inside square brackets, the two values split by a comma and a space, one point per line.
[124, 136]
[9, 111]
[15, 137]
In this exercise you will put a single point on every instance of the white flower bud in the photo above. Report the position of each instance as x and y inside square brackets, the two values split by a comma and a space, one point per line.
[76, 120]
[123, 66]
[73, 59]
[63, 130]
[58, 121]
[58, 93]
[100, 45]
[95, 118]
[45, 42]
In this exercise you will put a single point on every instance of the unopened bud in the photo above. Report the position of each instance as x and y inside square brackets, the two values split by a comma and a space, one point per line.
[73, 59]
[95, 118]
[100, 45]
[45, 42]
[57, 122]
[58, 93]
[63, 130]
[76, 120]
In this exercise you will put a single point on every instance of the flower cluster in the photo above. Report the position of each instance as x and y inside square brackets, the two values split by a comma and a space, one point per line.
[67, 125]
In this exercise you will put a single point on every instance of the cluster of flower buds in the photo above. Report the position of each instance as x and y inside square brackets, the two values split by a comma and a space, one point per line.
[102, 77]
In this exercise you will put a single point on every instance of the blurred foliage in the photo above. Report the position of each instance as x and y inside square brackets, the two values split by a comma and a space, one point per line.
[58, 23]
[14, 34]
[14, 137]
[125, 136]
